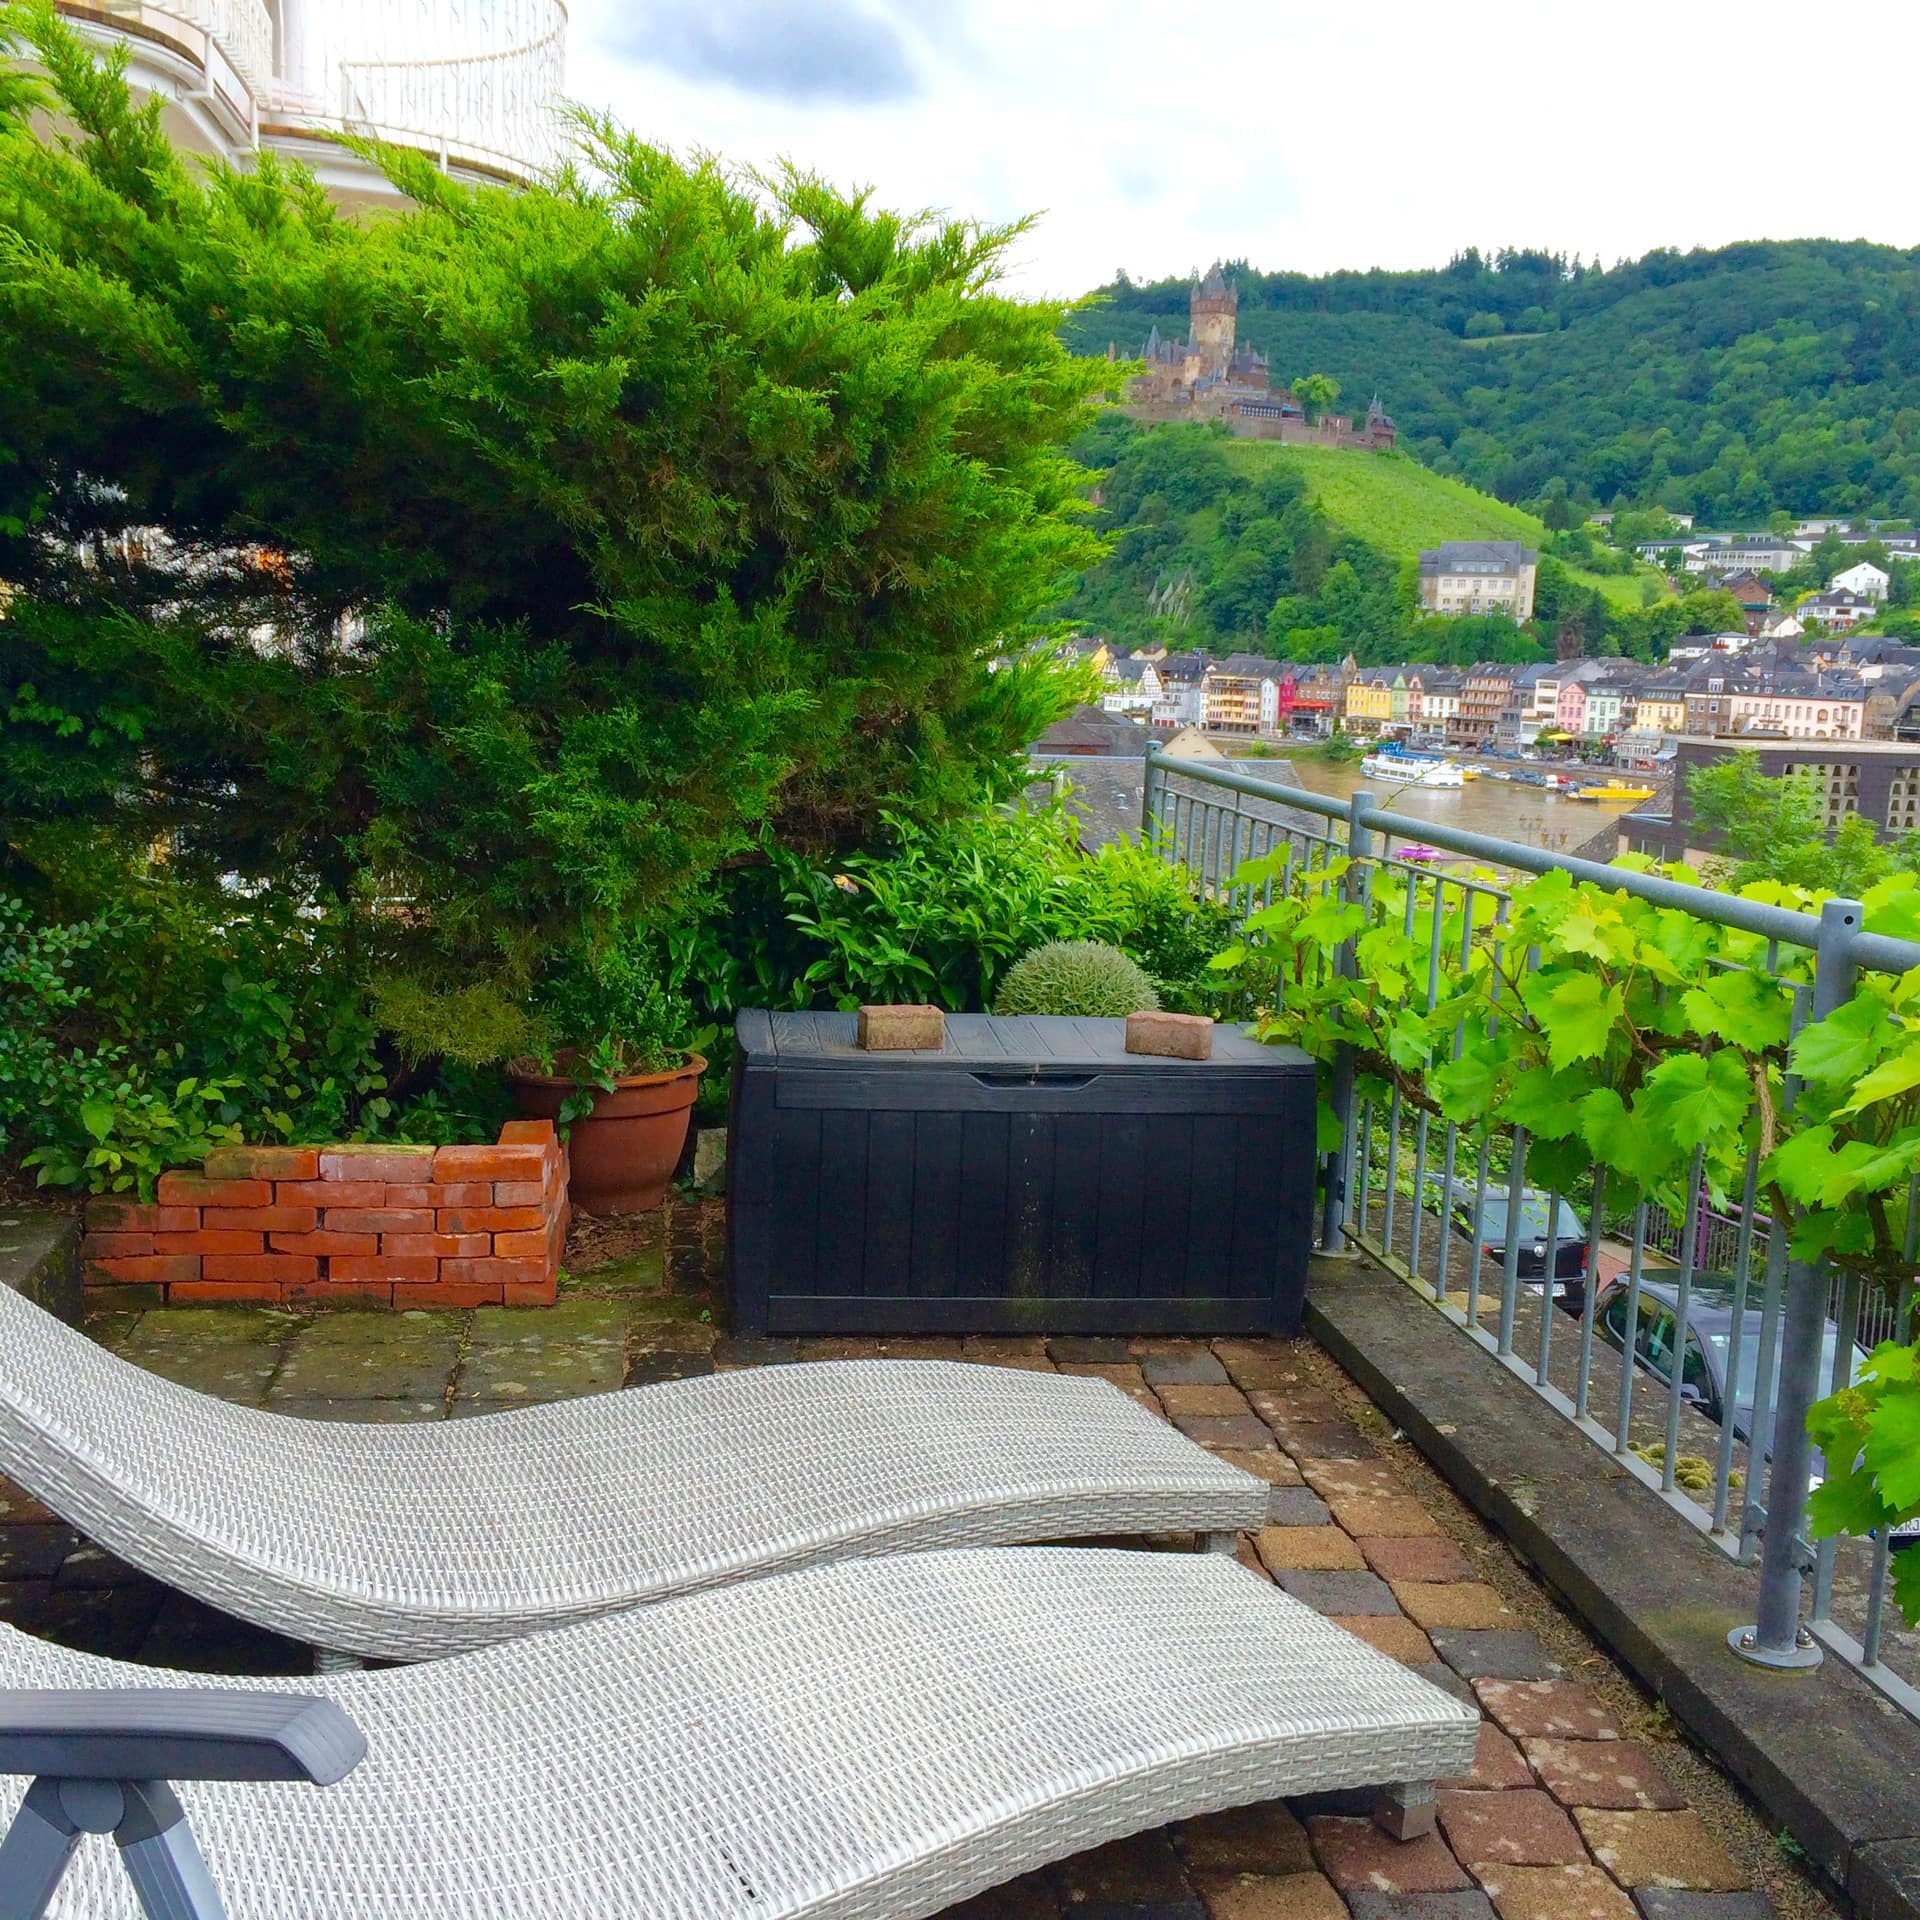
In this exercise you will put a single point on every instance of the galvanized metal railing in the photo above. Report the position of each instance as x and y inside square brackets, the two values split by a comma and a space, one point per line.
[1636, 1379]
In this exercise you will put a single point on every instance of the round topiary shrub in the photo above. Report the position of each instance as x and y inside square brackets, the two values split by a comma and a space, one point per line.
[1079, 977]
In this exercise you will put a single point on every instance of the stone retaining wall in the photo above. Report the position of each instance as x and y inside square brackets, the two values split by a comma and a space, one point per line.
[384, 1225]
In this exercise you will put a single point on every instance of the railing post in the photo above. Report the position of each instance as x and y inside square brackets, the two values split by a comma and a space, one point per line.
[1340, 1167]
[1777, 1639]
[1150, 798]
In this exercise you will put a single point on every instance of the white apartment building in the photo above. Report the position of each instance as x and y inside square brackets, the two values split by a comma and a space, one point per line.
[1865, 579]
[473, 84]
[1479, 576]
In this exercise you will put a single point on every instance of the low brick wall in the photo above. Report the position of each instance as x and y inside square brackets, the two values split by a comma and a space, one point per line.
[388, 1225]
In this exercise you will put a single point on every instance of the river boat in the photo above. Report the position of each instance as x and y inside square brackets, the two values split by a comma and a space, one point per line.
[1620, 790]
[1410, 770]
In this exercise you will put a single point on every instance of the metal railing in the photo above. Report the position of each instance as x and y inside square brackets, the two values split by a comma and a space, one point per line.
[1781, 1332]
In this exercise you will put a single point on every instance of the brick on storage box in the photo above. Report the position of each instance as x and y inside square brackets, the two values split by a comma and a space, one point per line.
[195, 1190]
[128, 1216]
[492, 1219]
[377, 1220]
[515, 1246]
[325, 1244]
[226, 1293]
[489, 1163]
[388, 1165]
[539, 1293]
[905, 1029]
[1174, 1036]
[383, 1269]
[331, 1193]
[210, 1240]
[122, 1246]
[263, 1163]
[275, 1219]
[264, 1269]
[154, 1269]
[440, 1246]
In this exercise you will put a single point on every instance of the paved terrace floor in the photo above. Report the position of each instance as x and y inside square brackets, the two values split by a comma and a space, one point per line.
[1584, 1804]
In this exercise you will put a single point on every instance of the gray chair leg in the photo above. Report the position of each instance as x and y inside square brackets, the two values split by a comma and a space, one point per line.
[1406, 1809]
[326, 1660]
[1222, 1542]
[148, 1824]
[162, 1858]
[34, 1855]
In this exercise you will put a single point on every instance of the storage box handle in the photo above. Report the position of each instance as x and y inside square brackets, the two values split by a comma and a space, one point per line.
[1033, 1077]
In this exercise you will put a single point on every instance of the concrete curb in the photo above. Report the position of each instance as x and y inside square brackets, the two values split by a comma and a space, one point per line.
[40, 1257]
[1823, 1753]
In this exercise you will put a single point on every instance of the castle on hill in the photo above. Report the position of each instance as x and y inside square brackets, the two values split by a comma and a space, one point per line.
[1208, 376]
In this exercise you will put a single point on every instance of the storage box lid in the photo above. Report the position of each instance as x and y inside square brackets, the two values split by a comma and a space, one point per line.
[1036, 1041]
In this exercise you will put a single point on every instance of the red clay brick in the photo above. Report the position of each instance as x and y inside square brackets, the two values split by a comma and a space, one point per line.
[459, 1193]
[163, 1269]
[378, 1220]
[528, 1293]
[519, 1193]
[210, 1240]
[195, 1190]
[441, 1246]
[444, 1293]
[405, 1165]
[488, 1163]
[326, 1243]
[518, 1246]
[382, 1269]
[129, 1216]
[261, 1219]
[529, 1133]
[263, 1163]
[269, 1269]
[492, 1219]
[332, 1193]
[495, 1273]
[228, 1292]
[340, 1293]
[122, 1246]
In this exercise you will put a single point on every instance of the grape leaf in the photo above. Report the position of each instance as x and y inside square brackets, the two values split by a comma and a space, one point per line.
[1892, 1077]
[1893, 1446]
[1836, 1051]
[1616, 1138]
[1691, 1098]
[1545, 1103]
[1576, 1012]
[1799, 1165]
[1744, 1009]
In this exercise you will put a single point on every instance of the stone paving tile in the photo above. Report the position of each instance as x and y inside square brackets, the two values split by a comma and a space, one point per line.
[1618, 1774]
[34, 1552]
[1295, 1506]
[1031, 1897]
[1395, 1635]
[1258, 1839]
[18, 1506]
[520, 1355]
[1301, 1548]
[1244, 1434]
[1336, 1478]
[1124, 1374]
[1659, 1850]
[1546, 1709]
[1194, 1367]
[1452, 1603]
[1225, 1402]
[1091, 1349]
[1519, 1827]
[1356, 1855]
[1264, 1365]
[350, 1355]
[1439, 1674]
[1340, 1592]
[1497, 1762]
[1265, 1463]
[1426, 1557]
[1314, 1439]
[1679, 1903]
[1141, 1871]
[729, 1355]
[1462, 1903]
[1495, 1653]
[1556, 1893]
[230, 1352]
[1382, 1515]
[113, 1621]
[1263, 1896]
[91, 1566]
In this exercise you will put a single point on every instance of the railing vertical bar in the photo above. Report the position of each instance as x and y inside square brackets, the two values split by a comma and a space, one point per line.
[1736, 1339]
[1590, 1294]
[1363, 1166]
[1765, 1372]
[1510, 1264]
[1840, 1376]
[1682, 1307]
[1875, 1630]
[1630, 1334]
[1548, 1278]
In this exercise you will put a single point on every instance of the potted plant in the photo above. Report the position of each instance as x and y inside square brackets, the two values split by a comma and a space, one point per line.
[620, 1083]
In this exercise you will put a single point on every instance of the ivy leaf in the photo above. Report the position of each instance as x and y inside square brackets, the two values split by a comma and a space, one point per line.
[1744, 1009]
[1900, 1074]
[1690, 1098]
[1576, 1011]
[1838, 1050]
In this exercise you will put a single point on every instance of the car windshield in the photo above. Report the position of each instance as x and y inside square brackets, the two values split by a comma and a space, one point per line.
[1720, 1339]
[1533, 1218]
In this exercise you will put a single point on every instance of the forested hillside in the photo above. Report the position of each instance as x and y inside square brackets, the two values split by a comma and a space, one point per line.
[1759, 378]
[1307, 553]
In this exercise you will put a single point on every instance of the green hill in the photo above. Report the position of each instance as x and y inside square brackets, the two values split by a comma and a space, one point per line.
[1731, 383]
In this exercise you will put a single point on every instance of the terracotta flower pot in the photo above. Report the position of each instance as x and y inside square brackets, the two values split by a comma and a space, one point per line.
[622, 1154]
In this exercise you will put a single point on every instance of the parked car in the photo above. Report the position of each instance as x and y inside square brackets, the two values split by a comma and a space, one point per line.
[1703, 1370]
[1570, 1250]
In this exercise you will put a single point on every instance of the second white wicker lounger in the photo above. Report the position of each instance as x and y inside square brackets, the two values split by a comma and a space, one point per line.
[867, 1741]
[408, 1542]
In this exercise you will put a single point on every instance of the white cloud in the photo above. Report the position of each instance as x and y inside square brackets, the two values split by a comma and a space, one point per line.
[1379, 133]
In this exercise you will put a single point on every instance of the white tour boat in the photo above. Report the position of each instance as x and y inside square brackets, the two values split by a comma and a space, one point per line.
[1411, 770]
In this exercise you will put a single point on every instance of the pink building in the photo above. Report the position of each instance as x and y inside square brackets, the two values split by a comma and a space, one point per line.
[1570, 710]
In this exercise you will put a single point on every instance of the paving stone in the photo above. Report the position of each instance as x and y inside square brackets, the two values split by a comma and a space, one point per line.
[1261, 1365]
[1299, 1548]
[651, 1368]
[113, 1621]
[1495, 1653]
[229, 1352]
[195, 1638]
[1517, 1827]
[1266, 1896]
[1243, 1433]
[1340, 1592]
[1217, 1403]
[91, 1566]
[1681, 1903]
[1357, 1856]
[1333, 1478]
[997, 1349]
[644, 1271]
[1556, 1893]
[1378, 1516]
[1267, 1463]
[34, 1552]
[1618, 1774]
[731, 1354]
[1094, 1349]
[1660, 1850]
[1546, 1709]
[1497, 1763]
[1425, 1557]
[1299, 1405]
[840, 1347]
[1463, 1903]
[22, 1602]
[17, 1504]
[1392, 1633]
[520, 1355]
[370, 1356]
[1336, 1442]
[1140, 1874]
[1193, 1368]
[1438, 1673]
[1296, 1506]
[1031, 1897]
[1265, 1838]
[1452, 1603]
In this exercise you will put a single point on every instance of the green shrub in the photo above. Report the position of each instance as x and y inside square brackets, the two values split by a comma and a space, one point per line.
[1079, 977]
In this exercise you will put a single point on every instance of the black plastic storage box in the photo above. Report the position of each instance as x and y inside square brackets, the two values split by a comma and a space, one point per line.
[1031, 1177]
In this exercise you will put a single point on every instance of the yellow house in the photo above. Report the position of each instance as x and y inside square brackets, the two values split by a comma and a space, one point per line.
[1661, 710]
[1369, 702]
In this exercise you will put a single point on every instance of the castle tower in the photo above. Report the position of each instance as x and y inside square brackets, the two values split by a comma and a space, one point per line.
[1214, 306]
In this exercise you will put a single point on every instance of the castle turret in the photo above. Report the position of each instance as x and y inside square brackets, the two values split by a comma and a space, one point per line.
[1214, 305]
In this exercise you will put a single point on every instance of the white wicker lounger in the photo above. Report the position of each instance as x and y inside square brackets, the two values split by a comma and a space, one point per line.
[874, 1739]
[408, 1542]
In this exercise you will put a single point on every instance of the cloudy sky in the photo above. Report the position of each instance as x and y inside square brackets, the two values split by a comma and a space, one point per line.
[1155, 135]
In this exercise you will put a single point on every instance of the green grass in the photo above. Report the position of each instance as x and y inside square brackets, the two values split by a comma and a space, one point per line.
[1399, 506]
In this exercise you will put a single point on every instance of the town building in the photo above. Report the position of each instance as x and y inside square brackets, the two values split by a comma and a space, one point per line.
[1762, 553]
[1483, 699]
[1131, 686]
[1433, 701]
[1181, 701]
[1836, 610]
[1735, 699]
[1479, 576]
[1369, 703]
[1863, 578]
[1242, 694]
